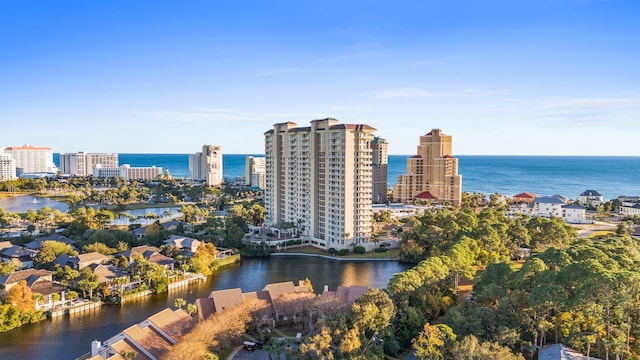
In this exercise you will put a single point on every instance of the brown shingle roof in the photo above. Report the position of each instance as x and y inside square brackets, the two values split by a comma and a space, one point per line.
[18, 276]
[148, 339]
[225, 299]
[173, 323]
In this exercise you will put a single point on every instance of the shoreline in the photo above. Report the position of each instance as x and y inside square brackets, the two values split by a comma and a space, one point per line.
[338, 258]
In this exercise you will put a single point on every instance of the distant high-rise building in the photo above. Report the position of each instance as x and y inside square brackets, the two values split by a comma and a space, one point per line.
[319, 179]
[432, 174]
[82, 164]
[127, 172]
[195, 166]
[7, 167]
[379, 165]
[31, 159]
[254, 172]
[207, 165]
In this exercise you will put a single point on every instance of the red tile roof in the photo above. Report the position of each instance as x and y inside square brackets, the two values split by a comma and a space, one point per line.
[425, 195]
[526, 195]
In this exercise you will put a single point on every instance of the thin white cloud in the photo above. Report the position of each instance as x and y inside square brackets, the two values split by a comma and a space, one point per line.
[353, 108]
[423, 62]
[587, 104]
[395, 93]
[204, 115]
[271, 72]
[367, 54]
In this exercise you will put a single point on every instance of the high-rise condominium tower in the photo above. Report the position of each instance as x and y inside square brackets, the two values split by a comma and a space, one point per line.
[254, 172]
[82, 164]
[31, 159]
[379, 165]
[432, 174]
[207, 165]
[318, 178]
[7, 167]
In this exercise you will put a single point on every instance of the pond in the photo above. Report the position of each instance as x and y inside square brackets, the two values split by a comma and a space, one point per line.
[70, 337]
[22, 204]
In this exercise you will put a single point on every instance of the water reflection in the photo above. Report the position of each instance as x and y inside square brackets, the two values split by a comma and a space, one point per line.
[21, 204]
[70, 337]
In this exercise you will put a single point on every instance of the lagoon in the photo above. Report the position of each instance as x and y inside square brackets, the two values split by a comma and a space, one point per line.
[22, 204]
[69, 337]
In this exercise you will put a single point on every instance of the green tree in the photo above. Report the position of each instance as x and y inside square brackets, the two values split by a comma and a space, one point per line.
[431, 342]
[50, 251]
[373, 311]
[179, 303]
[88, 283]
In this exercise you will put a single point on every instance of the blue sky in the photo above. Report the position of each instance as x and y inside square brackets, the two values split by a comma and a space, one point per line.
[503, 77]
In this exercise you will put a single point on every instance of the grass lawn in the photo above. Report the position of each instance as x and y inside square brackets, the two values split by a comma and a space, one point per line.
[601, 233]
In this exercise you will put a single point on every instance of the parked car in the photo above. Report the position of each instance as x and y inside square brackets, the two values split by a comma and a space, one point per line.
[249, 345]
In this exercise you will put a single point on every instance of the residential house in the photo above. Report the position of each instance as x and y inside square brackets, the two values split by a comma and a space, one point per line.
[82, 260]
[37, 243]
[189, 245]
[348, 294]
[149, 339]
[106, 273]
[224, 299]
[524, 198]
[150, 253]
[40, 281]
[560, 352]
[548, 206]
[590, 198]
[630, 208]
[21, 256]
[574, 214]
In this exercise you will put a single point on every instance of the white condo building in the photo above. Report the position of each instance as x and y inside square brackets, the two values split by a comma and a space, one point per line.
[127, 172]
[82, 164]
[7, 167]
[319, 179]
[254, 172]
[31, 159]
[207, 165]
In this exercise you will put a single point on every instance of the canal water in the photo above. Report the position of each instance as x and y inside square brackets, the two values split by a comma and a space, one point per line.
[20, 204]
[68, 337]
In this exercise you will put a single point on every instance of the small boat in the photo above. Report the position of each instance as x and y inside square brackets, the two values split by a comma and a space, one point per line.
[35, 201]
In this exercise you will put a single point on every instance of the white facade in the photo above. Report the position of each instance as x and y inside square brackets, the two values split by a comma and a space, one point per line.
[574, 214]
[318, 178]
[195, 166]
[212, 164]
[630, 209]
[255, 172]
[548, 206]
[591, 198]
[207, 165]
[82, 164]
[30, 159]
[127, 172]
[140, 173]
[7, 167]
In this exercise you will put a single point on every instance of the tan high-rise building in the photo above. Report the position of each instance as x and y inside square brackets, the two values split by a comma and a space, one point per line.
[379, 167]
[318, 178]
[82, 164]
[207, 165]
[432, 174]
[254, 172]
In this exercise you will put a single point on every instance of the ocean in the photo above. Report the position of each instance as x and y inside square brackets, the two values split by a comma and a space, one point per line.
[569, 176]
